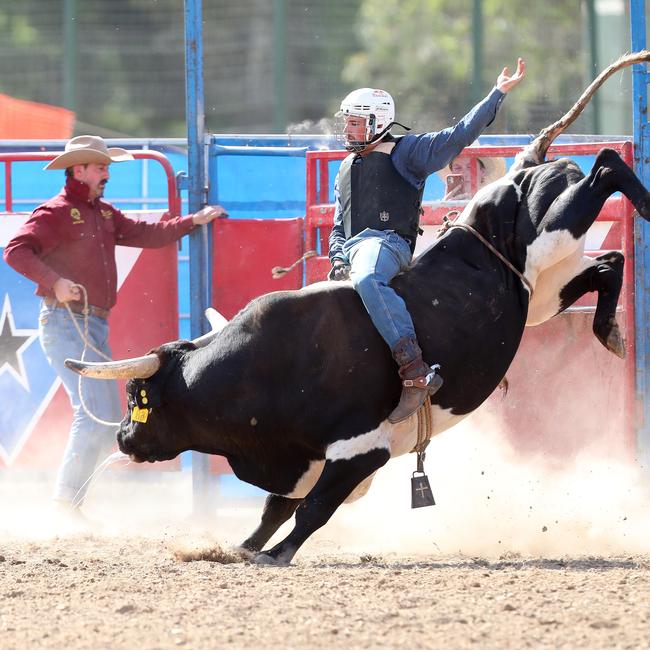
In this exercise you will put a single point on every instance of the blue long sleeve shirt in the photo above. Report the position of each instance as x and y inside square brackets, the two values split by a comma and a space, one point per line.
[419, 155]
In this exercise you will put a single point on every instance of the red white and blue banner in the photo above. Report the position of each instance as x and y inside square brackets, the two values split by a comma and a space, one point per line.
[35, 413]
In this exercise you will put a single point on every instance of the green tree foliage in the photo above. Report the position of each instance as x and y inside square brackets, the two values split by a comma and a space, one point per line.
[130, 60]
[130, 57]
[421, 51]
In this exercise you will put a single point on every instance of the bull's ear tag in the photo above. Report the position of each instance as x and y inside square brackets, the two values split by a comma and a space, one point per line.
[421, 495]
[139, 415]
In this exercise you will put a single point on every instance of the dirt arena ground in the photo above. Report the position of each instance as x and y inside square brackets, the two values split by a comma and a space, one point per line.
[511, 556]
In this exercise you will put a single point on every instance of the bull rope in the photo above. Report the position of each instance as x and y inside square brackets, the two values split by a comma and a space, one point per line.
[87, 344]
[425, 428]
[447, 225]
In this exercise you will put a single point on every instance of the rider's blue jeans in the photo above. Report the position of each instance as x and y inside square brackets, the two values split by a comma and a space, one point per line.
[376, 257]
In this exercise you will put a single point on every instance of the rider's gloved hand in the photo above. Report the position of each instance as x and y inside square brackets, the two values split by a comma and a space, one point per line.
[339, 271]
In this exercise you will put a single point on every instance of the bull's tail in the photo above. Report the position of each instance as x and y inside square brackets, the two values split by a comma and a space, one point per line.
[535, 152]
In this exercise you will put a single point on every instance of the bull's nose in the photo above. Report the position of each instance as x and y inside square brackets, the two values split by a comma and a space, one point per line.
[124, 443]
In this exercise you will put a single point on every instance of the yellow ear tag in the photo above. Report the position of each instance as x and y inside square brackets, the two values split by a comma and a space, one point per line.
[139, 415]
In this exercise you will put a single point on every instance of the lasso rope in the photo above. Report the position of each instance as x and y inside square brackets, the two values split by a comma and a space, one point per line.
[87, 344]
[278, 271]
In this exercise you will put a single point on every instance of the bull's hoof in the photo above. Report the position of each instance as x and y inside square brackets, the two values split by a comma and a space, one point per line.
[245, 553]
[265, 559]
[614, 342]
[643, 207]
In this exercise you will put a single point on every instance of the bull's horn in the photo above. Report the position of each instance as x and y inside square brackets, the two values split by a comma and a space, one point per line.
[140, 368]
[217, 323]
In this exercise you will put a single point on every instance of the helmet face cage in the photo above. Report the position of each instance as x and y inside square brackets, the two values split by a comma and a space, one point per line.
[375, 106]
[354, 146]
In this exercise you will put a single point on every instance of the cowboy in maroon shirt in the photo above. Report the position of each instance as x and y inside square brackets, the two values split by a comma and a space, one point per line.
[69, 241]
[71, 238]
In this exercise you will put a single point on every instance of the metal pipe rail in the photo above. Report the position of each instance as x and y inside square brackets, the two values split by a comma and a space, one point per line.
[33, 156]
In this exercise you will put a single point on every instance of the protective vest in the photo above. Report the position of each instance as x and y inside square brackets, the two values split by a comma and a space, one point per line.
[373, 194]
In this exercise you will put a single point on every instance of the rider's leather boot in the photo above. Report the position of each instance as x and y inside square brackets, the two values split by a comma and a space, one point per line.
[419, 380]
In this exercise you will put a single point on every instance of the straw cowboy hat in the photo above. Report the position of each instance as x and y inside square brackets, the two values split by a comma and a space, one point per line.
[86, 149]
[495, 167]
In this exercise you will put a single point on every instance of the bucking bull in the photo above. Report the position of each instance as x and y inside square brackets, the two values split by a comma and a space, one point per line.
[295, 390]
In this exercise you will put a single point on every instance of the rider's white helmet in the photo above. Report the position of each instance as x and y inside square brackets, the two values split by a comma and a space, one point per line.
[378, 109]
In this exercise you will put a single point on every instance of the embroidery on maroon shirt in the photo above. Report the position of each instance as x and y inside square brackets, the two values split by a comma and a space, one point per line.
[76, 216]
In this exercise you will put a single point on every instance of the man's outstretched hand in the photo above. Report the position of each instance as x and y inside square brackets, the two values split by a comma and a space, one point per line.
[505, 82]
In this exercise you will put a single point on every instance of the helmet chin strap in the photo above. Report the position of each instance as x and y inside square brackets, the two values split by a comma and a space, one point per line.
[358, 147]
[380, 135]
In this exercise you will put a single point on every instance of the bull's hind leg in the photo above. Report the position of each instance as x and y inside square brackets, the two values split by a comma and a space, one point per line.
[337, 481]
[277, 510]
[604, 275]
[578, 206]
[621, 177]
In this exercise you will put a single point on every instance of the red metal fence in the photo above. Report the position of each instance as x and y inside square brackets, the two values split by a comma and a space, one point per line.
[172, 194]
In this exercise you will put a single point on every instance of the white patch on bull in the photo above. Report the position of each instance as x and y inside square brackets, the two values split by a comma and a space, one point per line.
[357, 446]
[307, 481]
[546, 298]
[549, 249]
[403, 436]
[470, 209]
[398, 438]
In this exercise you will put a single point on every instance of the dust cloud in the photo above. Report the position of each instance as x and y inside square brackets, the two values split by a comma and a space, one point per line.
[490, 502]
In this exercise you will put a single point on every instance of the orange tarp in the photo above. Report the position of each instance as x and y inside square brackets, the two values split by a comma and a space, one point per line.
[22, 119]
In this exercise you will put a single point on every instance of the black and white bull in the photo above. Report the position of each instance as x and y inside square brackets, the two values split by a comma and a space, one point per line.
[295, 391]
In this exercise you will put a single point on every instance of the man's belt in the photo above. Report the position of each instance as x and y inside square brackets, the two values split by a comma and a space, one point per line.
[77, 308]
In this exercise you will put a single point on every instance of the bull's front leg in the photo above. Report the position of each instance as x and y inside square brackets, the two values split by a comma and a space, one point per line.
[277, 510]
[337, 481]
[604, 275]
[563, 284]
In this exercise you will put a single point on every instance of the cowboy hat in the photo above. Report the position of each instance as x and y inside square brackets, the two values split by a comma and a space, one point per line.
[86, 149]
[495, 167]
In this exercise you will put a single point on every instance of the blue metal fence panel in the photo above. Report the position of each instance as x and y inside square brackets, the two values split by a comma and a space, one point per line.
[200, 247]
[640, 80]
